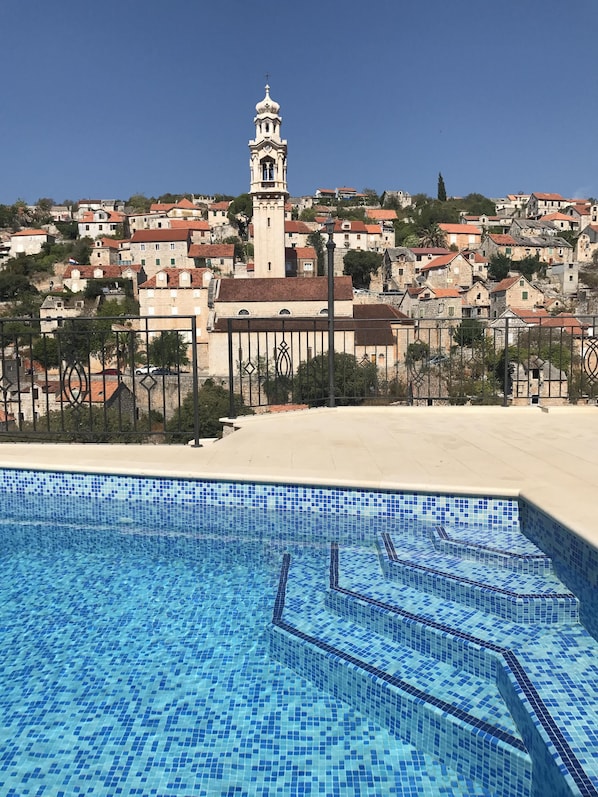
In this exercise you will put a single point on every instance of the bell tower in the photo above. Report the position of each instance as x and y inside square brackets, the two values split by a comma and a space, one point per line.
[268, 164]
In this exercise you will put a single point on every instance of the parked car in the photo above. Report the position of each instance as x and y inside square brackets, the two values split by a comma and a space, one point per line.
[155, 370]
[162, 372]
[109, 372]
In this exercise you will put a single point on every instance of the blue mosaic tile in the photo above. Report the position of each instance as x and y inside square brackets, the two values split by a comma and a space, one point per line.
[135, 612]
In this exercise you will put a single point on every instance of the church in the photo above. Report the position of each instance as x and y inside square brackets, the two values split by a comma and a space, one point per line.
[271, 308]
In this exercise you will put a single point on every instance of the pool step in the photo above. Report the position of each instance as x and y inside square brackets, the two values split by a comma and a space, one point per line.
[513, 596]
[547, 674]
[465, 543]
[453, 715]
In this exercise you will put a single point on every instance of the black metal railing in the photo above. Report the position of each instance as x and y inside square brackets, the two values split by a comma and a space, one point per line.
[97, 379]
[536, 359]
[140, 379]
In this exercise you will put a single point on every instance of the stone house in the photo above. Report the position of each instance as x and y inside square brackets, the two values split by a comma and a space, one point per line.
[99, 223]
[475, 301]
[514, 291]
[587, 243]
[539, 204]
[431, 303]
[301, 261]
[173, 294]
[77, 277]
[218, 257]
[105, 252]
[454, 270]
[29, 242]
[158, 249]
[463, 236]
[396, 272]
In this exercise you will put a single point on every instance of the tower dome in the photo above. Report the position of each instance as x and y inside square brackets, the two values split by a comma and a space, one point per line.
[267, 105]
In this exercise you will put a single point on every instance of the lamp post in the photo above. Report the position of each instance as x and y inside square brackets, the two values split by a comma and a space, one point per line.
[330, 246]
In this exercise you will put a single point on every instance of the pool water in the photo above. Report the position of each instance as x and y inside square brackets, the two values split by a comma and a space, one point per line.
[136, 661]
[178, 638]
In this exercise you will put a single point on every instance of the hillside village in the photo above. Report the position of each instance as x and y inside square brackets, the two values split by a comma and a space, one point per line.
[529, 258]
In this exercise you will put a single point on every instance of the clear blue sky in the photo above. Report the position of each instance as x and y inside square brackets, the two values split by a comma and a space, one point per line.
[119, 97]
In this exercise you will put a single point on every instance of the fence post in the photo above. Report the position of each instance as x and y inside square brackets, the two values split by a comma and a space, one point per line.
[196, 442]
[231, 376]
[505, 400]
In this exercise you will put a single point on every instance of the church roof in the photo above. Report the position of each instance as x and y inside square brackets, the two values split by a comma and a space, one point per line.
[287, 289]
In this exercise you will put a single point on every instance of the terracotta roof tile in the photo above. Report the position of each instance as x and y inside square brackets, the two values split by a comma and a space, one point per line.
[212, 250]
[173, 278]
[288, 289]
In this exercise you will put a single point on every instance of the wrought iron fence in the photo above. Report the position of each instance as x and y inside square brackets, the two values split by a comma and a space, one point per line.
[513, 360]
[138, 379]
[99, 379]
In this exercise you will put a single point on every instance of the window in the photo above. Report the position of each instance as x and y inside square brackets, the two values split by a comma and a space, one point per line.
[100, 227]
[284, 311]
[524, 294]
[507, 250]
[157, 261]
[142, 247]
[87, 226]
[172, 246]
[451, 311]
[143, 262]
[243, 312]
[172, 261]
[157, 247]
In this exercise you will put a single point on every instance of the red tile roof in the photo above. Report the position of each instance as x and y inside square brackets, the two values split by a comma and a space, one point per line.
[297, 227]
[381, 214]
[460, 229]
[173, 280]
[545, 197]
[503, 240]
[288, 289]
[212, 250]
[30, 232]
[189, 224]
[219, 205]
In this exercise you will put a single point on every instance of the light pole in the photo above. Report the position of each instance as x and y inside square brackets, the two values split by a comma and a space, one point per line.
[330, 246]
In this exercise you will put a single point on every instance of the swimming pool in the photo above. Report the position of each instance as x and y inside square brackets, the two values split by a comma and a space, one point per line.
[169, 637]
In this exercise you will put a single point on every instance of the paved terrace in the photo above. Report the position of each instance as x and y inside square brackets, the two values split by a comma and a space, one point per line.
[547, 456]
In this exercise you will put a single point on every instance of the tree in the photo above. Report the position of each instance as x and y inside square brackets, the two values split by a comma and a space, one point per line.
[139, 203]
[589, 273]
[478, 205]
[441, 189]
[316, 240]
[354, 381]
[239, 253]
[360, 266]
[45, 351]
[499, 266]
[431, 237]
[469, 332]
[14, 286]
[308, 214]
[213, 404]
[530, 266]
[371, 196]
[168, 350]
[240, 212]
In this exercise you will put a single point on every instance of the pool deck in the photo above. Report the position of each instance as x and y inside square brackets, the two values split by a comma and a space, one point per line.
[549, 457]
